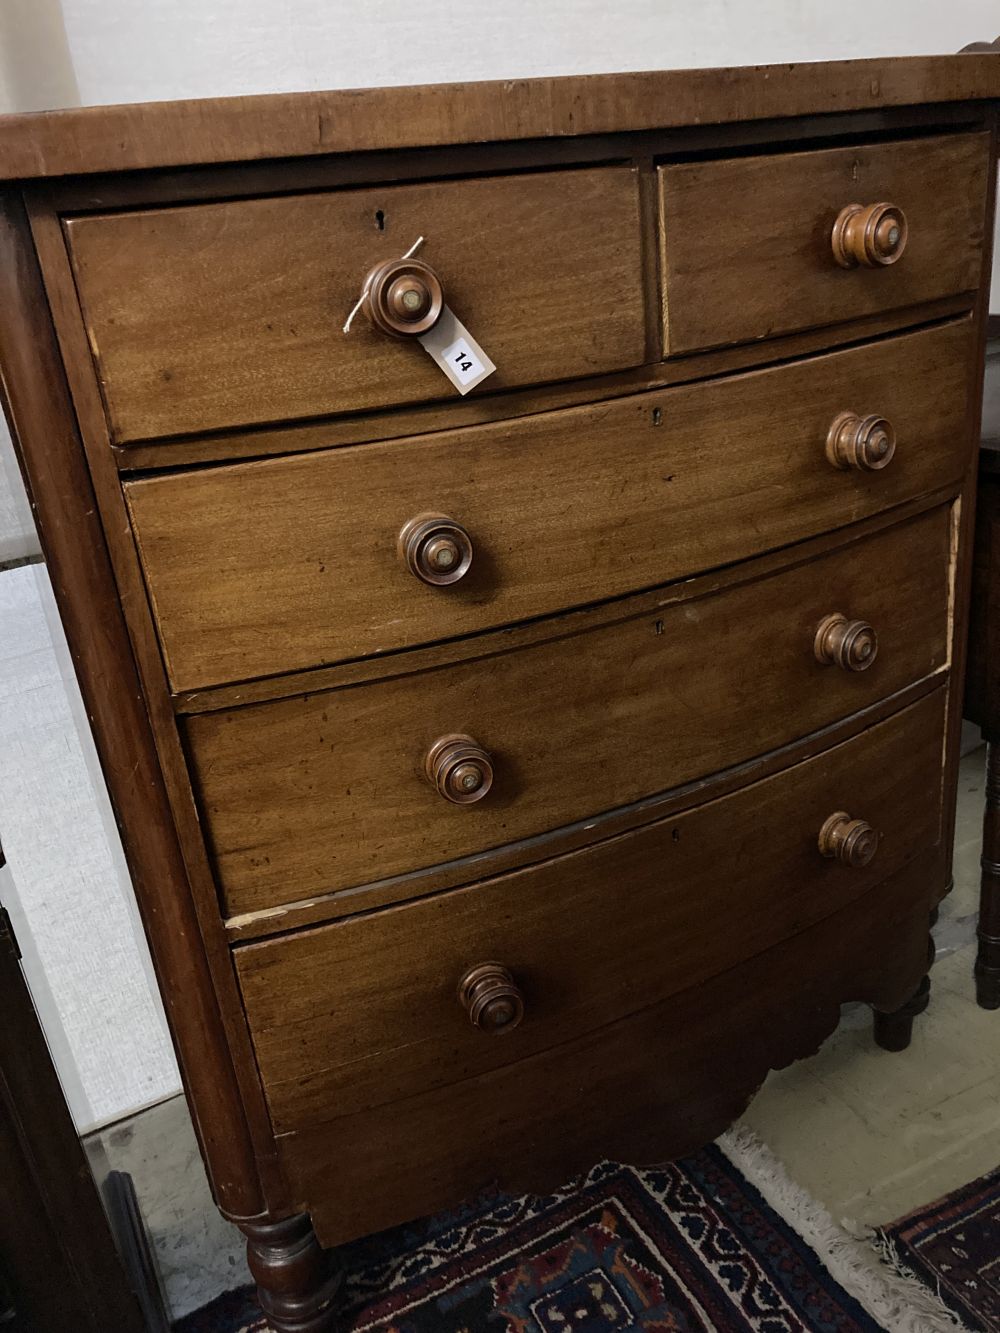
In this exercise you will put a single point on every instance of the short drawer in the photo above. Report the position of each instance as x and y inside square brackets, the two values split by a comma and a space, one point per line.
[262, 568]
[338, 788]
[748, 242]
[231, 314]
[367, 1011]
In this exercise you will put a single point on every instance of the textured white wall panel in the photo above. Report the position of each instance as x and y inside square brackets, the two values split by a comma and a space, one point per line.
[69, 879]
[35, 66]
[18, 538]
[123, 51]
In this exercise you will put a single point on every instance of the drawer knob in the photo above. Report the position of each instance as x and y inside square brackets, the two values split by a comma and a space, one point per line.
[864, 443]
[871, 236]
[491, 997]
[435, 549]
[403, 297]
[460, 770]
[850, 644]
[852, 842]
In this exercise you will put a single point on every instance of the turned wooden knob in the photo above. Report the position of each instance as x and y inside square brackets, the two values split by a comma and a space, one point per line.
[865, 443]
[460, 770]
[869, 237]
[435, 549]
[403, 297]
[850, 644]
[852, 842]
[491, 997]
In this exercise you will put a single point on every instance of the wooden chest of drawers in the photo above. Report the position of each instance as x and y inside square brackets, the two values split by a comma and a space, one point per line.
[510, 778]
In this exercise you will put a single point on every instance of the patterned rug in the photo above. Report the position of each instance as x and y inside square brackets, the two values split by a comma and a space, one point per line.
[954, 1246]
[688, 1248]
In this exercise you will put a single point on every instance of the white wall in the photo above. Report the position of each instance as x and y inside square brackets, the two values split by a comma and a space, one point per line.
[66, 884]
[69, 891]
[89, 963]
[36, 71]
[122, 50]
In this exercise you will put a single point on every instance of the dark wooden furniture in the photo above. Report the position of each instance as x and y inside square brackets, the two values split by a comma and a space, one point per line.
[58, 1265]
[509, 779]
[982, 679]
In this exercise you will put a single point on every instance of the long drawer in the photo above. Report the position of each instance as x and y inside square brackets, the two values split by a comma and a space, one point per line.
[311, 794]
[646, 1089]
[748, 242]
[521, 259]
[269, 567]
[370, 1010]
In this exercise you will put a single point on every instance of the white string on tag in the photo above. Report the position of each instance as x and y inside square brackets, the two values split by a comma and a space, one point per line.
[364, 291]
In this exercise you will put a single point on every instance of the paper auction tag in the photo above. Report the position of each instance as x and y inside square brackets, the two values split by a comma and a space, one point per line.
[450, 344]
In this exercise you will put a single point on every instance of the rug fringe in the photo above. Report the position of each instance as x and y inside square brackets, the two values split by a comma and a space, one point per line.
[869, 1270]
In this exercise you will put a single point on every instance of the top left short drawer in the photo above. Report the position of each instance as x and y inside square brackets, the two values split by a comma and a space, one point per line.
[222, 315]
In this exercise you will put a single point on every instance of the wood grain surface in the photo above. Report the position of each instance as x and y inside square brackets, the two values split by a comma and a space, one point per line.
[655, 543]
[231, 314]
[271, 567]
[44, 429]
[982, 674]
[652, 1086]
[746, 247]
[484, 406]
[307, 795]
[211, 130]
[365, 1011]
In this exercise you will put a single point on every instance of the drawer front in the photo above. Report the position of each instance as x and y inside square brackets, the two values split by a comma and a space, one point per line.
[229, 314]
[650, 1088]
[366, 1011]
[313, 794]
[267, 567]
[747, 242]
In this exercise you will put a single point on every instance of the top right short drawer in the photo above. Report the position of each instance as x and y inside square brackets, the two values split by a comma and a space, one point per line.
[754, 247]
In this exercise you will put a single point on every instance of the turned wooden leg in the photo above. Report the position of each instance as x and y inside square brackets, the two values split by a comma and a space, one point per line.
[893, 1032]
[988, 957]
[297, 1280]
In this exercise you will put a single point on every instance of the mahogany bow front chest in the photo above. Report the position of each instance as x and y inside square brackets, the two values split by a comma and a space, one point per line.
[532, 711]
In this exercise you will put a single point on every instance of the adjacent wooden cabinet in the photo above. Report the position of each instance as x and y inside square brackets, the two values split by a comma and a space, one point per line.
[509, 778]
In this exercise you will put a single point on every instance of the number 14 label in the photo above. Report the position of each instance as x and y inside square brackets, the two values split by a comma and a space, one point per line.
[457, 353]
[463, 360]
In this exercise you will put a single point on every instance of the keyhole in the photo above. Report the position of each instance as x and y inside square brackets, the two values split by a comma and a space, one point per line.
[379, 219]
